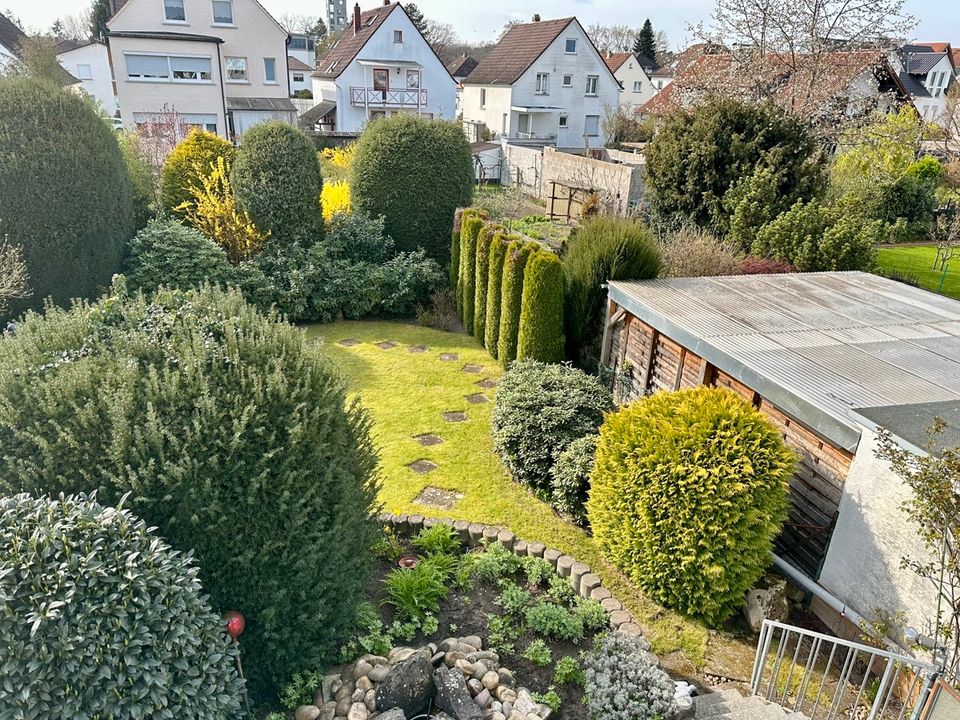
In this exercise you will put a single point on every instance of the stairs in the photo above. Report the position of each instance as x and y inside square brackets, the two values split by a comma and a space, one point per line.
[731, 705]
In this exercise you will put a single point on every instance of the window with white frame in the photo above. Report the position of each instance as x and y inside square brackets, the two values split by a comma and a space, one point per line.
[173, 11]
[592, 84]
[298, 77]
[571, 46]
[591, 126]
[637, 86]
[398, 36]
[236, 69]
[413, 79]
[270, 71]
[543, 83]
[568, 80]
[168, 68]
[483, 97]
[223, 12]
[84, 72]
[563, 121]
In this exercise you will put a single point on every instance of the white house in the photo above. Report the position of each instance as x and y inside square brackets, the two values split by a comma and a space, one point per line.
[927, 72]
[381, 66]
[300, 73]
[301, 62]
[90, 64]
[544, 82]
[636, 86]
[218, 64]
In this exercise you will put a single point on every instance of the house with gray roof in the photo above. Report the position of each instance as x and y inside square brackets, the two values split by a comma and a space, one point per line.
[927, 72]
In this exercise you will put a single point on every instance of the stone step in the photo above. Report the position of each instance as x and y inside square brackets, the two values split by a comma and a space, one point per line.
[730, 705]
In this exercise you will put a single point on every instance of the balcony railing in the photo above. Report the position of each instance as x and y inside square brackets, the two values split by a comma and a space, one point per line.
[364, 96]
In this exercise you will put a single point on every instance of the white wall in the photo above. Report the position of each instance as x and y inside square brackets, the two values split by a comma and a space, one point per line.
[491, 112]
[100, 85]
[306, 83]
[628, 74]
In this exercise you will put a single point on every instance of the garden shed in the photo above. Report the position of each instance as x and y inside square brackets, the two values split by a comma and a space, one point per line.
[829, 358]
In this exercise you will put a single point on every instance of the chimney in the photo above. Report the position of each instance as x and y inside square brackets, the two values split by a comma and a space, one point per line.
[386, 3]
[356, 18]
[536, 17]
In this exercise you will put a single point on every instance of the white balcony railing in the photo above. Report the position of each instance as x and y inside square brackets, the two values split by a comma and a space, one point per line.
[366, 96]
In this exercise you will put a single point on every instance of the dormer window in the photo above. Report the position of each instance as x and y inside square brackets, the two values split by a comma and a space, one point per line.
[371, 20]
[571, 46]
[398, 36]
[173, 11]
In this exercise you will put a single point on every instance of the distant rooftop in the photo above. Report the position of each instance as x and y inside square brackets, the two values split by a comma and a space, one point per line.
[827, 348]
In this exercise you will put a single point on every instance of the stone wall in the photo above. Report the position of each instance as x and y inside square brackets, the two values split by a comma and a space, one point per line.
[522, 167]
[618, 185]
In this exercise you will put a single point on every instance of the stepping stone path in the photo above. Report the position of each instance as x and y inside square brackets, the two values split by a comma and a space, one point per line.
[422, 466]
[486, 384]
[476, 399]
[427, 439]
[455, 416]
[387, 345]
[438, 497]
[475, 369]
[417, 349]
[348, 342]
[449, 357]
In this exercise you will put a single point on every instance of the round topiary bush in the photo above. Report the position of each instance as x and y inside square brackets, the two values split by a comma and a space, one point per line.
[539, 410]
[195, 154]
[64, 193]
[687, 495]
[414, 172]
[103, 619]
[276, 178]
[570, 478]
[233, 437]
[168, 253]
[540, 336]
[511, 298]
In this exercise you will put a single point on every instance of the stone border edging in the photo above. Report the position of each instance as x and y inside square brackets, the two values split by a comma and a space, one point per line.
[582, 578]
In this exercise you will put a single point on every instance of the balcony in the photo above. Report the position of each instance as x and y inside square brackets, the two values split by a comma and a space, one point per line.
[371, 97]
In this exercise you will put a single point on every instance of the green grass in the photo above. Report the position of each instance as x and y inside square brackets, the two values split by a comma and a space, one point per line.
[918, 261]
[406, 393]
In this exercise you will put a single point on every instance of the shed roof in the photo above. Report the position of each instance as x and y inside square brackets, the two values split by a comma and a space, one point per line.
[820, 346]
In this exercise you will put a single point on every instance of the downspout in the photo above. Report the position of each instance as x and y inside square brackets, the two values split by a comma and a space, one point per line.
[286, 62]
[223, 95]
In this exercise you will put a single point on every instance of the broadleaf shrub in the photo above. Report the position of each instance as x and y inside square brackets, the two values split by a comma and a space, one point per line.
[691, 251]
[511, 298]
[103, 619]
[193, 157]
[625, 682]
[540, 336]
[538, 411]
[751, 265]
[498, 252]
[570, 478]
[231, 436]
[168, 253]
[687, 495]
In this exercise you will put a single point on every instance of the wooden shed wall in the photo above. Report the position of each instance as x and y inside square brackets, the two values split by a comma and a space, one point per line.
[645, 361]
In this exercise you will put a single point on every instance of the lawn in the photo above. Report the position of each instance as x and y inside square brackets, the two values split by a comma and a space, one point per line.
[918, 261]
[407, 393]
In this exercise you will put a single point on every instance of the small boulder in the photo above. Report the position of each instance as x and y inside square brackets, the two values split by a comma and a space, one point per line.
[379, 672]
[524, 703]
[343, 706]
[473, 640]
[453, 696]
[306, 712]
[506, 677]
[768, 601]
[490, 680]
[361, 669]
[392, 714]
[364, 683]
[358, 711]
[483, 698]
[409, 686]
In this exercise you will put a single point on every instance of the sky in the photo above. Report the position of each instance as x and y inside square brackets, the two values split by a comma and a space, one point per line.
[476, 20]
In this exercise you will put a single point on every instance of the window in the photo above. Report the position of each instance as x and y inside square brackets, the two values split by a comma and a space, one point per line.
[568, 80]
[270, 71]
[168, 68]
[483, 97]
[543, 83]
[84, 72]
[173, 11]
[591, 126]
[298, 43]
[571, 46]
[637, 86]
[298, 77]
[398, 36]
[563, 121]
[413, 79]
[186, 68]
[592, 84]
[236, 69]
[223, 12]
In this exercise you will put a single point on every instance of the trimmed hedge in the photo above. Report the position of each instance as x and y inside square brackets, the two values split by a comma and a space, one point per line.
[455, 249]
[469, 233]
[511, 298]
[415, 172]
[103, 619]
[199, 151]
[168, 253]
[541, 315]
[64, 193]
[498, 251]
[687, 495]
[482, 270]
[231, 435]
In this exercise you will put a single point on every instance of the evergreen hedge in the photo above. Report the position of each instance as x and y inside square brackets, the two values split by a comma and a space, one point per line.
[455, 248]
[168, 253]
[415, 172]
[540, 336]
[688, 492]
[498, 251]
[231, 435]
[466, 296]
[64, 193]
[482, 271]
[511, 298]
[195, 154]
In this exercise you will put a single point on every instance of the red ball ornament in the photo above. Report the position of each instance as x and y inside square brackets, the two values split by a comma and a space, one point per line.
[235, 624]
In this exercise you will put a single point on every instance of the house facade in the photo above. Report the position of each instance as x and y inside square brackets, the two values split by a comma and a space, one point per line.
[381, 66]
[218, 64]
[544, 82]
[90, 64]
[927, 71]
[636, 86]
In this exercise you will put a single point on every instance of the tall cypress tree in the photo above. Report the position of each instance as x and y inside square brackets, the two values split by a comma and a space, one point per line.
[99, 14]
[646, 43]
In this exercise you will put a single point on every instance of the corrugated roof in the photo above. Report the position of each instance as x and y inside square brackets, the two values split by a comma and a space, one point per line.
[333, 62]
[818, 345]
[517, 50]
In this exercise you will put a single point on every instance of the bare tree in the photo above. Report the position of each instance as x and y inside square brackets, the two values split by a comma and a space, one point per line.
[296, 22]
[439, 36]
[14, 280]
[73, 27]
[612, 38]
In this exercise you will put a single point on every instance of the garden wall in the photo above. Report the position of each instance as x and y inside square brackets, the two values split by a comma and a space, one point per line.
[618, 185]
[523, 167]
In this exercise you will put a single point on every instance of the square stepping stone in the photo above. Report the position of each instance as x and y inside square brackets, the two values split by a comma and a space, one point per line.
[422, 467]
[475, 369]
[428, 440]
[455, 416]
[348, 342]
[417, 349]
[477, 399]
[486, 384]
[438, 497]
[449, 357]
[387, 345]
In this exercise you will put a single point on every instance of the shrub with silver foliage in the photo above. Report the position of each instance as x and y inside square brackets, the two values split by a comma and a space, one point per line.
[625, 682]
[102, 619]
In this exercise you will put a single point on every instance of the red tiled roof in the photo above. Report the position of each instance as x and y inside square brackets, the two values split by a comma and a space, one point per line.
[955, 57]
[517, 50]
[615, 60]
[337, 58]
[935, 46]
[297, 64]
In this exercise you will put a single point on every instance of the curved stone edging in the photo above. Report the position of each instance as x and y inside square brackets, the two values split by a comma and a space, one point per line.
[584, 581]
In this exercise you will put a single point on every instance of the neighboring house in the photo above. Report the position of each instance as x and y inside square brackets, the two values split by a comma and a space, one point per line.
[544, 82]
[300, 73]
[304, 48]
[90, 64]
[829, 358]
[380, 66]
[927, 71]
[661, 77]
[218, 64]
[635, 84]
[460, 69]
[335, 15]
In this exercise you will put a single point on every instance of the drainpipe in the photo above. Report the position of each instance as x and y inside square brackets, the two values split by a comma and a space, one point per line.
[223, 96]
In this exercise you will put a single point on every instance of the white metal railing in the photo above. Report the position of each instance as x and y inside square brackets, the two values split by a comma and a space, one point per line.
[363, 96]
[825, 677]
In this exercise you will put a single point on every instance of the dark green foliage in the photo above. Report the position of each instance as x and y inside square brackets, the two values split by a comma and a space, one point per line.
[511, 299]
[570, 478]
[540, 336]
[912, 197]
[232, 436]
[437, 540]
[591, 614]
[555, 622]
[100, 12]
[604, 248]
[539, 410]
[414, 172]
[498, 252]
[481, 280]
[646, 43]
[168, 253]
[64, 194]
[513, 599]
[276, 178]
[193, 157]
[455, 248]
[536, 569]
[496, 562]
[752, 203]
[567, 671]
[697, 156]
[469, 233]
[103, 619]
[417, 592]
[688, 492]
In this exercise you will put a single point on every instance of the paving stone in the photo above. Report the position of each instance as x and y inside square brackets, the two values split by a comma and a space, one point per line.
[417, 349]
[427, 439]
[455, 416]
[486, 384]
[439, 498]
[620, 617]
[387, 345]
[477, 399]
[422, 466]
[474, 369]
[631, 629]
[449, 357]
[348, 342]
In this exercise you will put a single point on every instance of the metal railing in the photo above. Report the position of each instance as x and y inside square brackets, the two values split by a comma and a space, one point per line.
[363, 96]
[826, 678]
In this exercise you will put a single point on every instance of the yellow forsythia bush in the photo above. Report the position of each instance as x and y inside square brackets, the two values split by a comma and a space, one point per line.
[335, 199]
[341, 157]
